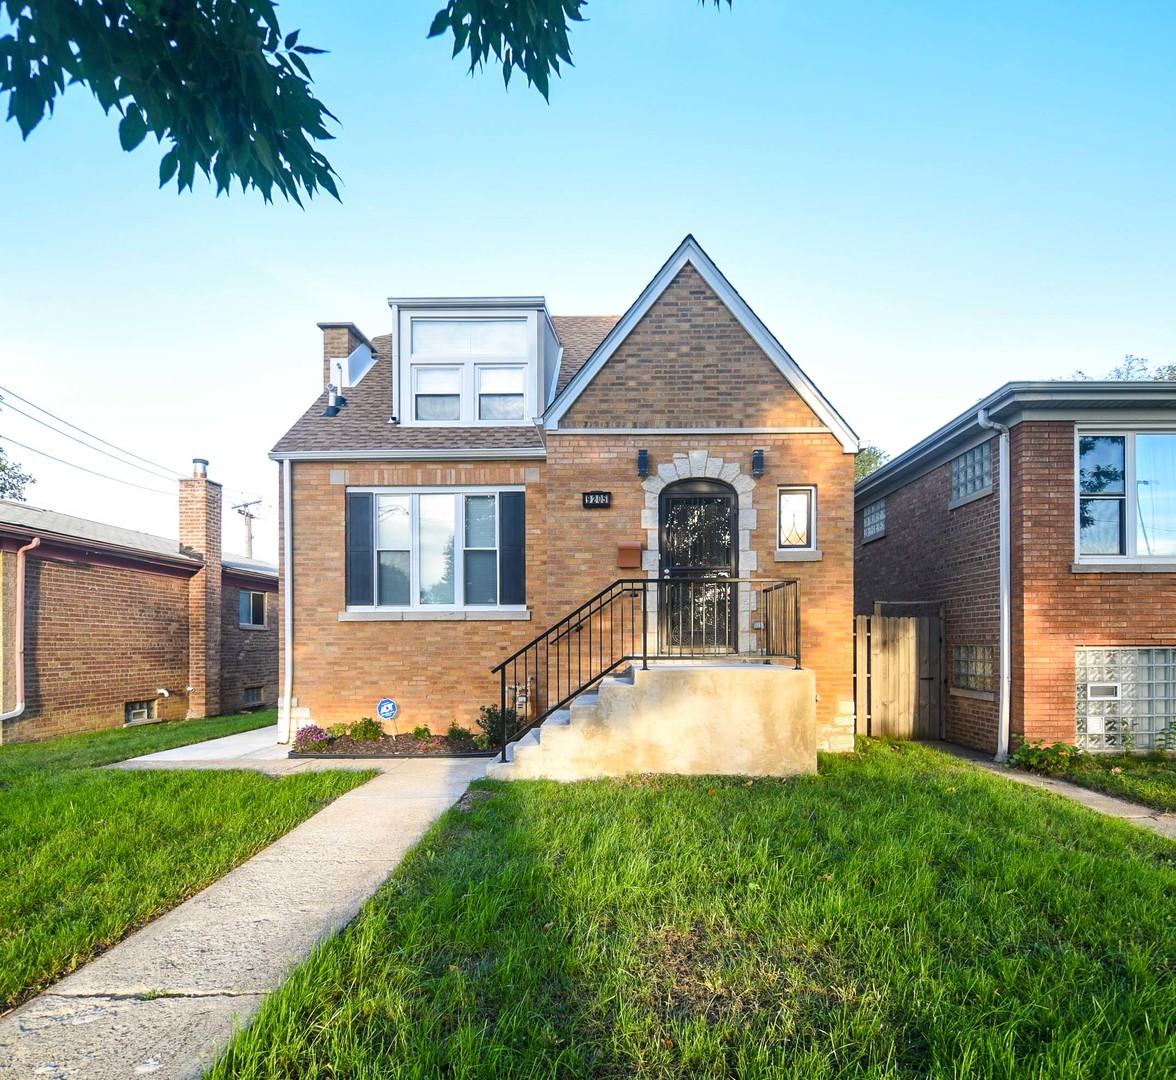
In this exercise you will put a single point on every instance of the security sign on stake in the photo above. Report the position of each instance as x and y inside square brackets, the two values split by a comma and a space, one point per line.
[387, 709]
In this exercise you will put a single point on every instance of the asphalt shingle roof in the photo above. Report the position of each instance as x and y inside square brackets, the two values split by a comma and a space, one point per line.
[35, 519]
[363, 424]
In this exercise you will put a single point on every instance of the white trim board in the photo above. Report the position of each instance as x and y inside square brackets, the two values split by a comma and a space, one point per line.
[690, 251]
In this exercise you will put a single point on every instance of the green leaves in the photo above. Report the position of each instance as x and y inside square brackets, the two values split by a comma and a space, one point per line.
[217, 83]
[531, 35]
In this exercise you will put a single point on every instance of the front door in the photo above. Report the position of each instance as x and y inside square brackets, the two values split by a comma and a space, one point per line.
[699, 524]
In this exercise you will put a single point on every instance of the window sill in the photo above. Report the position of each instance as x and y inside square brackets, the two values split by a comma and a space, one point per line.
[975, 695]
[483, 615]
[871, 539]
[963, 500]
[250, 626]
[798, 555]
[1123, 568]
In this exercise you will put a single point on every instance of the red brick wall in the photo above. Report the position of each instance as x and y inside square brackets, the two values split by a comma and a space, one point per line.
[249, 656]
[200, 534]
[1056, 610]
[689, 363]
[941, 556]
[96, 637]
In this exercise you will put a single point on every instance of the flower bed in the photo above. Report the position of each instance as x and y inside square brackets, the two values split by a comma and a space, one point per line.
[313, 741]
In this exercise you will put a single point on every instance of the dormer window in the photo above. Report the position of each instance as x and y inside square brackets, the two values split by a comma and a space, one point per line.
[469, 369]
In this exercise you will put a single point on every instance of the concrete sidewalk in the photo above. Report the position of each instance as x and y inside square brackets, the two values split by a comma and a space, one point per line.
[1144, 816]
[257, 749]
[164, 1001]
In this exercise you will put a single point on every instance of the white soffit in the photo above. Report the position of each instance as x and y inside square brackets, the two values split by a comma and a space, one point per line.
[690, 251]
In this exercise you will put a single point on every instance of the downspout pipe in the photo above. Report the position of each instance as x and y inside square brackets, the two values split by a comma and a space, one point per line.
[1006, 609]
[284, 731]
[20, 630]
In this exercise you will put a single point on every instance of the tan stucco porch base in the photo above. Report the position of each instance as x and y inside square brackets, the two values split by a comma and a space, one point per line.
[693, 719]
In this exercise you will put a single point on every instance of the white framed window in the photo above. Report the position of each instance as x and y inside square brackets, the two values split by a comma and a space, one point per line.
[971, 472]
[469, 368]
[1125, 496]
[435, 549]
[797, 518]
[251, 608]
[973, 667]
[874, 520]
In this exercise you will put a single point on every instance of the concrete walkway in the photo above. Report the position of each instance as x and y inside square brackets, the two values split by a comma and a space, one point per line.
[1144, 816]
[163, 1002]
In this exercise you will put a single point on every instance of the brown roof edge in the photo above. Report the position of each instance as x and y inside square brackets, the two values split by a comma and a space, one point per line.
[52, 540]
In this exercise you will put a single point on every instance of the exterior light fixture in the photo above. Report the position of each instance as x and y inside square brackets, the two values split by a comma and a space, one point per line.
[757, 463]
[642, 463]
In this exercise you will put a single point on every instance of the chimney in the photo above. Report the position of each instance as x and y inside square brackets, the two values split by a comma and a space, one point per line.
[200, 534]
[340, 340]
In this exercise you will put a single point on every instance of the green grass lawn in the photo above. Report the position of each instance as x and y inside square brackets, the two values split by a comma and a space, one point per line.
[1149, 779]
[901, 914]
[88, 854]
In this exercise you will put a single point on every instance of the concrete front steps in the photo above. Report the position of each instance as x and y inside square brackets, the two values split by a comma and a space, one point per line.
[693, 718]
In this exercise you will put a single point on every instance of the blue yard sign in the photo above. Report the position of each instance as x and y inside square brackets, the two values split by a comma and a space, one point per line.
[387, 709]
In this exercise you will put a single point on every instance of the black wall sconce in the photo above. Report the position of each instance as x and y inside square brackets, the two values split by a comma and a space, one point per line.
[757, 463]
[642, 463]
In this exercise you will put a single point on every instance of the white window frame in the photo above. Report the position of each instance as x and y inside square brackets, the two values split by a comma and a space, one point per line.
[416, 370]
[405, 393]
[264, 610]
[414, 552]
[874, 529]
[812, 537]
[1130, 555]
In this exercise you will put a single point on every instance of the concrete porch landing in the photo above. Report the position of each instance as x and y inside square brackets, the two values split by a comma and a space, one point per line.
[164, 1001]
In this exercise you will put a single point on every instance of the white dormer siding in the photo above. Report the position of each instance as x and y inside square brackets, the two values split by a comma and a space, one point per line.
[471, 363]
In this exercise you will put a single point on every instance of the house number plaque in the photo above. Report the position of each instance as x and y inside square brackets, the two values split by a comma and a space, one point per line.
[596, 500]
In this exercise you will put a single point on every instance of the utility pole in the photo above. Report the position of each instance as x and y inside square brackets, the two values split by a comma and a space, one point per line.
[244, 509]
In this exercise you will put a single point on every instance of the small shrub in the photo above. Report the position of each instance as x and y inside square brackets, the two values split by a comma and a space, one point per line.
[458, 733]
[482, 742]
[1055, 760]
[421, 733]
[367, 730]
[335, 730]
[491, 722]
[311, 737]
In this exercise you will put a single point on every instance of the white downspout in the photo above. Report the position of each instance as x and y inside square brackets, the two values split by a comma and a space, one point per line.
[20, 630]
[288, 612]
[1006, 609]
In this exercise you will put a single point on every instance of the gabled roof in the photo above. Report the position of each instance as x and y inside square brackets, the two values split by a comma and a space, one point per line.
[24, 520]
[690, 251]
[580, 336]
[1089, 400]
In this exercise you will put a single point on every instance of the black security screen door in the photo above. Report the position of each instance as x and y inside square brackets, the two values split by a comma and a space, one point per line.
[698, 530]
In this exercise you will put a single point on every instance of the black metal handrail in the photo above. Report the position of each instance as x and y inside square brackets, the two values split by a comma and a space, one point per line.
[696, 617]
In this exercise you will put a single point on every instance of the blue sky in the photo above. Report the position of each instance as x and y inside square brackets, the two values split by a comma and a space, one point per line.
[921, 200]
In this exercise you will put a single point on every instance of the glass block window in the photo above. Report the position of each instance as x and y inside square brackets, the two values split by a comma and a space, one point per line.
[973, 667]
[253, 695]
[874, 520]
[971, 471]
[1140, 716]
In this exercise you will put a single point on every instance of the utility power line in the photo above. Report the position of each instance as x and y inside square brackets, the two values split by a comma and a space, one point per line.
[106, 442]
[92, 472]
[96, 449]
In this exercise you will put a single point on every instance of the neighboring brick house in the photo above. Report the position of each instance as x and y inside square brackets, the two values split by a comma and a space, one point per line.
[1090, 577]
[443, 517]
[114, 618]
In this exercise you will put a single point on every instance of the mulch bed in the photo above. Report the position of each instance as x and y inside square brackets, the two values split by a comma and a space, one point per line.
[400, 746]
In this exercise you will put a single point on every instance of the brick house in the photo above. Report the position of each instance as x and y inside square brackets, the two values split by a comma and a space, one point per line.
[123, 627]
[489, 468]
[1070, 636]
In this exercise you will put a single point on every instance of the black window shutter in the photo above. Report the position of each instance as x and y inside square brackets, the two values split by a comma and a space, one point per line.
[512, 548]
[360, 541]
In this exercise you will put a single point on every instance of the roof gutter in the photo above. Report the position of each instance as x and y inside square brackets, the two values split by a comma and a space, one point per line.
[1006, 619]
[498, 453]
[20, 631]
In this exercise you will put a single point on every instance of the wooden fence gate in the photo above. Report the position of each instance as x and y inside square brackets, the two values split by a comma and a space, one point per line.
[898, 674]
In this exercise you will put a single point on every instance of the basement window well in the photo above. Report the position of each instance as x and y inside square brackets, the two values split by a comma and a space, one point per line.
[138, 712]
